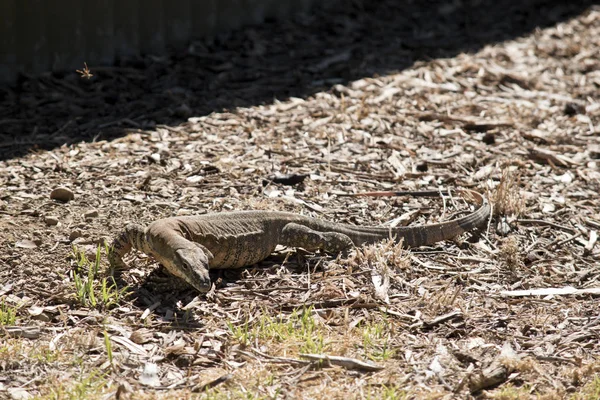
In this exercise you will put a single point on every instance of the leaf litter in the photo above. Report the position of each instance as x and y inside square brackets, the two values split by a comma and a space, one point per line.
[511, 307]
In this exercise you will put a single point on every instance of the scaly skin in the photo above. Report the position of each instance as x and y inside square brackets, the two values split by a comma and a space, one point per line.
[189, 246]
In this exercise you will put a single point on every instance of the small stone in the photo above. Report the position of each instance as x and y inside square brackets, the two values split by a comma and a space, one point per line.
[548, 208]
[62, 194]
[154, 157]
[567, 177]
[51, 220]
[194, 178]
[149, 377]
[75, 234]
[503, 227]
[90, 252]
[19, 394]
[41, 317]
[26, 244]
[90, 214]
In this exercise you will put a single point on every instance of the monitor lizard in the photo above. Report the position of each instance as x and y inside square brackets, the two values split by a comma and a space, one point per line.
[188, 246]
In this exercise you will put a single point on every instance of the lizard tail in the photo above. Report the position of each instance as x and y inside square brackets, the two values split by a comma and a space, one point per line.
[414, 236]
[432, 233]
[132, 237]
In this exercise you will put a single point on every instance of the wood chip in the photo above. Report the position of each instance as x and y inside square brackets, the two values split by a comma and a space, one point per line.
[567, 290]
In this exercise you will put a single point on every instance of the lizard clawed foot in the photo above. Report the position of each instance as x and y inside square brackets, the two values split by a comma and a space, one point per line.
[334, 242]
[297, 235]
[116, 273]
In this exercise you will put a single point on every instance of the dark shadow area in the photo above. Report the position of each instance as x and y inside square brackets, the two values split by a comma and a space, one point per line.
[336, 43]
[163, 293]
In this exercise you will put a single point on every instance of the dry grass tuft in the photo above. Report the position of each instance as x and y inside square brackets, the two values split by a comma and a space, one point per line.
[509, 254]
[381, 256]
[507, 199]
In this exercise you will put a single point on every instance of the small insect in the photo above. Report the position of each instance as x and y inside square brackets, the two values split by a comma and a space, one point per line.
[85, 73]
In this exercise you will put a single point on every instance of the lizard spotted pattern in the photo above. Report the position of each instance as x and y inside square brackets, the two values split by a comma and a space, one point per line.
[189, 246]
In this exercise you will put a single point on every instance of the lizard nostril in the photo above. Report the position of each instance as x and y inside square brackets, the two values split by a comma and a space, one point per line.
[203, 287]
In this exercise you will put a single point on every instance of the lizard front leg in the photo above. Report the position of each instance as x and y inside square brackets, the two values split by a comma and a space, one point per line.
[297, 235]
[134, 236]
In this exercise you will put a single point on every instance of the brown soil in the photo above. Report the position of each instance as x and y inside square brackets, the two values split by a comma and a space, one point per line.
[495, 96]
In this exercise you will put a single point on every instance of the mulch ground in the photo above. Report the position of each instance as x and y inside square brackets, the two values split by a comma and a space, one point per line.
[495, 96]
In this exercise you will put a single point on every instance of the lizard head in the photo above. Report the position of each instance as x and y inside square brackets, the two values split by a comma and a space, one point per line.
[191, 265]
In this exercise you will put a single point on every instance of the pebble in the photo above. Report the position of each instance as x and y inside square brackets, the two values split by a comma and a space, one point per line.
[90, 214]
[90, 251]
[26, 244]
[548, 208]
[51, 220]
[503, 227]
[75, 234]
[154, 157]
[38, 313]
[62, 194]
[19, 394]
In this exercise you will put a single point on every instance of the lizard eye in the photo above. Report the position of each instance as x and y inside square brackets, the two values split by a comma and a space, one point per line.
[185, 265]
[180, 261]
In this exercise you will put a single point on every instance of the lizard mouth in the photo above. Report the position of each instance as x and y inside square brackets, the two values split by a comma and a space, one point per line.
[202, 287]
